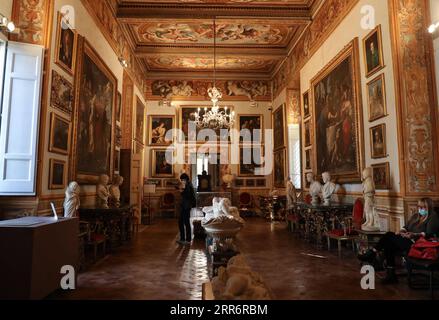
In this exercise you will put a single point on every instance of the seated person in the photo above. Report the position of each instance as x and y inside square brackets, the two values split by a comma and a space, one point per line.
[424, 223]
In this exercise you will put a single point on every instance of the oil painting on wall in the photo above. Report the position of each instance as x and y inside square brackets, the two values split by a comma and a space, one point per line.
[279, 174]
[140, 121]
[95, 117]
[279, 127]
[159, 126]
[61, 95]
[338, 117]
[252, 124]
[59, 141]
[65, 45]
[250, 160]
[162, 163]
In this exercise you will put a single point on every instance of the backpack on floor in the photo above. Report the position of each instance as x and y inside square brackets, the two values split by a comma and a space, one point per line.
[425, 249]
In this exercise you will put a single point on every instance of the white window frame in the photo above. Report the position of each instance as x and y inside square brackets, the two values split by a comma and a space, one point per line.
[18, 167]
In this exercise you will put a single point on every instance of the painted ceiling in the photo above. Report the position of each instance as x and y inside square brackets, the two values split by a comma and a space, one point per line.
[252, 36]
[264, 2]
[191, 33]
[207, 63]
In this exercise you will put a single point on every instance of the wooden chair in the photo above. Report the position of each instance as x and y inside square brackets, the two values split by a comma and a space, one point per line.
[95, 241]
[245, 204]
[350, 226]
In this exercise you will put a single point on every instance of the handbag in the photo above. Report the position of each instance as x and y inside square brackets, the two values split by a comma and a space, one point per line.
[425, 249]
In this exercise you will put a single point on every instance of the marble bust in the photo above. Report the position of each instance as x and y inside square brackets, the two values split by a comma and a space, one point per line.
[102, 192]
[115, 191]
[328, 188]
[71, 201]
[372, 223]
[315, 188]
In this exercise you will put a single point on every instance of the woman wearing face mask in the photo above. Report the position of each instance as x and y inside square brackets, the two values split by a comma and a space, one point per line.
[424, 223]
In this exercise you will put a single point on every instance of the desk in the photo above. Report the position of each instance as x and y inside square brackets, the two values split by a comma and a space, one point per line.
[320, 219]
[114, 223]
[32, 252]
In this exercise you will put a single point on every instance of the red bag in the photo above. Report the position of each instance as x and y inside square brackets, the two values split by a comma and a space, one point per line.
[425, 249]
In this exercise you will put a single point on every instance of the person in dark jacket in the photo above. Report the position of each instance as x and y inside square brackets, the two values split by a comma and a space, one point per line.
[424, 223]
[188, 201]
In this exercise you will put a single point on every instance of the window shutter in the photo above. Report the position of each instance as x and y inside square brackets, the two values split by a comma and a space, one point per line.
[20, 119]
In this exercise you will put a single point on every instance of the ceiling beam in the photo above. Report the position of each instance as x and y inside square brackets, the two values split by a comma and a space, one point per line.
[132, 12]
[203, 75]
[147, 51]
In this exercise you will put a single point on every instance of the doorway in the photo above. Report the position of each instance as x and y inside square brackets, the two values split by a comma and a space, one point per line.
[210, 163]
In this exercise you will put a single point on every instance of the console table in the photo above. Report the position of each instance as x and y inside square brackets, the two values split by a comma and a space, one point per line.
[114, 223]
[320, 218]
[32, 252]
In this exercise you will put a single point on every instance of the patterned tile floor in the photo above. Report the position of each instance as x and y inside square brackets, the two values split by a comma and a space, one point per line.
[155, 267]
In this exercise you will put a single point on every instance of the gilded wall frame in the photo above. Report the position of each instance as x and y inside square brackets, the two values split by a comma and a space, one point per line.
[352, 117]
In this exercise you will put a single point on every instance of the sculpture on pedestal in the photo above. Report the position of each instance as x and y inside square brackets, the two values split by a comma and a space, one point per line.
[328, 188]
[291, 193]
[115, 191]
[222, 222]
[102, 192]
[239, 282]
[228, 177]
[315, 188]
[71, 201]
[372, 223]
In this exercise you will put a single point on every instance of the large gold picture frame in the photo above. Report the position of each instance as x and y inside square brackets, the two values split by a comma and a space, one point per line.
[280, 168]
[156, 137]
[57, 174]
[378, 141]
[60, 129]
[94, 82]
[249, 170]
[373, 63]
[279, 118]
[157, 159]
[66, 45]
[251, 117]
[376, 98]
[338, 133]
[140, 121]
[381, 175]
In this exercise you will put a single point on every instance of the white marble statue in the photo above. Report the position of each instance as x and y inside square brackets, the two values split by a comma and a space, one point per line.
[315, 188]
[222, 222]
[228, 177]
[115, 191]
[221, 207]
[328, 188]
[239, 282]
[291, 193]
[102, 192]
[71, 202]
[371, 217]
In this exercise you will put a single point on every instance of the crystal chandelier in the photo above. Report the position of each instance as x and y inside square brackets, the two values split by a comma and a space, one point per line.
[216, 118]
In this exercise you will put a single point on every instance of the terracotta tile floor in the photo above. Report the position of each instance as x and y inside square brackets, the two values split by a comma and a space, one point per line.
[154, 267]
